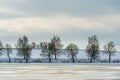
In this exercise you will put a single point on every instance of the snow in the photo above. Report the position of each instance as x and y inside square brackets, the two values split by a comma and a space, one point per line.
[58, 71]
[45, 60]
[63, 58]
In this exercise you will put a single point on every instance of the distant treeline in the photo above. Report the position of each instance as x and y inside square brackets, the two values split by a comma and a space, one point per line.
[53, 49]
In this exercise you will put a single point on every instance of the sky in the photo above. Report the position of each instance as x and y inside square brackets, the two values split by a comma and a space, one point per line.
[73, 20]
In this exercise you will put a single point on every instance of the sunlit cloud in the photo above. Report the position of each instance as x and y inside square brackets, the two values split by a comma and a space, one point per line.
[54, 23]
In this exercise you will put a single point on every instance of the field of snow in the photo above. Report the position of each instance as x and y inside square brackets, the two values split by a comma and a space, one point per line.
[35, 55]
[59, 71]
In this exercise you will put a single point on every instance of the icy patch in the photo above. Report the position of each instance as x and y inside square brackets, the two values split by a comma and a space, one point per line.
[59, 72]
[7, 72]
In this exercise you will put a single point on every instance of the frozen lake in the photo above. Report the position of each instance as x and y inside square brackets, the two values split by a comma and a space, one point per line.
[57, 71]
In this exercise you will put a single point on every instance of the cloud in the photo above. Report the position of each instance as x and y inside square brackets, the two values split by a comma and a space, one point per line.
[10, 8]
[74, 21]
[84, 8]
[61, 22]
[69, 28]
[6, 10]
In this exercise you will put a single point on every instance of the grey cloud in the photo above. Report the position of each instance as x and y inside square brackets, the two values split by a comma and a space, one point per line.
[77, 7]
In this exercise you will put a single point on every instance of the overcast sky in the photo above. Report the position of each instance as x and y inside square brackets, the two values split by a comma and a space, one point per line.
[73, 20]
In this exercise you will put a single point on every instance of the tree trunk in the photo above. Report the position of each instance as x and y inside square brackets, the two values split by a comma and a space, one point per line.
[26, 60]
[9, 57]
[91, 60]
[109, 57]
[55, 56]
[49, 57]
[73, 59]
[9, 60]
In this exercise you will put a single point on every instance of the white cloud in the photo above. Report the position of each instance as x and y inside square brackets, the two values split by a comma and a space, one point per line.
[54, 23]
[112, 22]
[6, 10]
[29, 25]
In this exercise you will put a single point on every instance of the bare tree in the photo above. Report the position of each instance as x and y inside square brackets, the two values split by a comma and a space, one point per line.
[56, 46]
[8, 51]
[110, 49]
[46, 50]
[1, 48]
[93, 48]
[24, 48]
[72, 50]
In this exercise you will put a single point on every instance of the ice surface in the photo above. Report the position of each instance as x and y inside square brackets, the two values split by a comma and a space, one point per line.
[57, 71]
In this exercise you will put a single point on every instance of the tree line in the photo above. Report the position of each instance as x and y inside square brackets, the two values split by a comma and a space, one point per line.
[53, 49]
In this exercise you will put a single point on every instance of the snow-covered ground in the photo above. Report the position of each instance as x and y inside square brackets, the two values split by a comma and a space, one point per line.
[59, 71]
[35, 57]
[82, 54]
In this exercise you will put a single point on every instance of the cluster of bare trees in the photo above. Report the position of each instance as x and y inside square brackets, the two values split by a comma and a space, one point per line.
[53, 49]
[93, 48]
